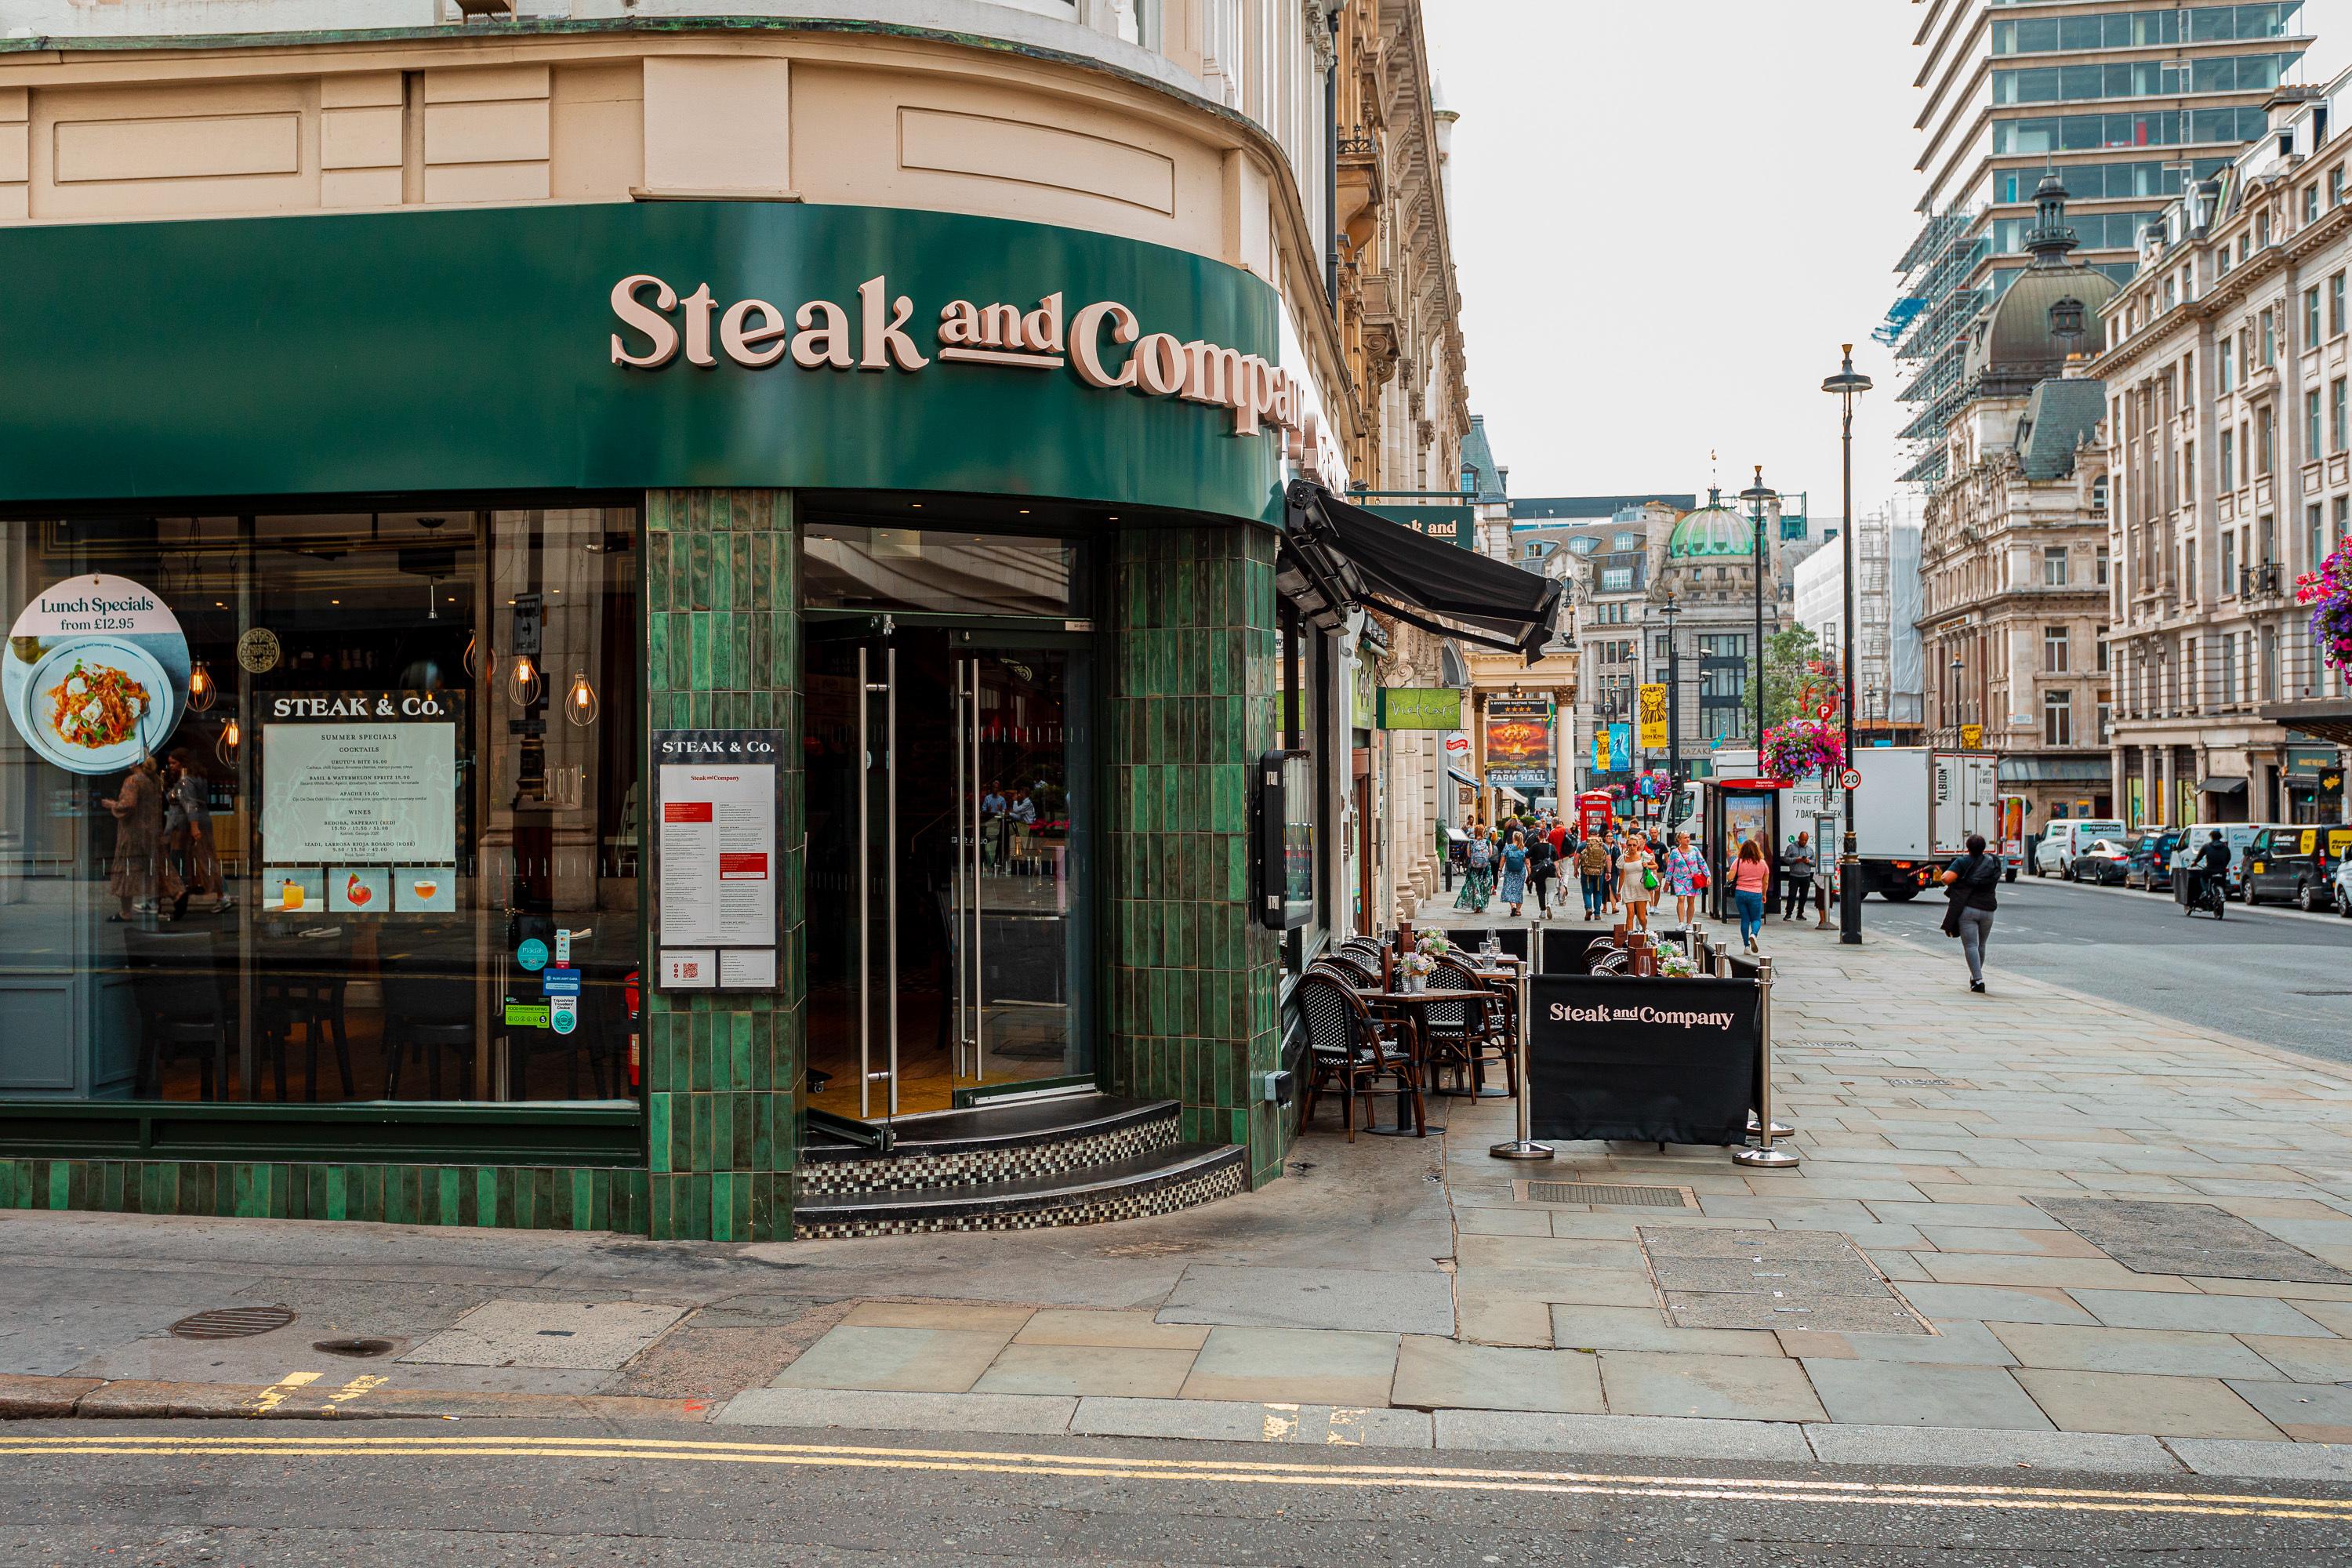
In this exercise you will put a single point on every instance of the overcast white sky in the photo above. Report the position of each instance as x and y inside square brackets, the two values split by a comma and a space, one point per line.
[1668, 216]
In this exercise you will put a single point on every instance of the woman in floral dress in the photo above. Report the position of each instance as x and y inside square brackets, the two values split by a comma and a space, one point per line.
[1477, 873]
[1681, 878]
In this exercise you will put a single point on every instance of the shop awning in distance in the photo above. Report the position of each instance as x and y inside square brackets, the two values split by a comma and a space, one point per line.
[1342, 553]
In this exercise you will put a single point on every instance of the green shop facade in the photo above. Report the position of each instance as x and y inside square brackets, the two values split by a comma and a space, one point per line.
[628, 716]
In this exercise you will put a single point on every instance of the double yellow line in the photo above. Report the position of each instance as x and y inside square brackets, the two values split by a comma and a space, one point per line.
[1215, 1472]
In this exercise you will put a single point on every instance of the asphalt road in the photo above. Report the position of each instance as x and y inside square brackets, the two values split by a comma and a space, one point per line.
[391, 1495]
[2273, 976]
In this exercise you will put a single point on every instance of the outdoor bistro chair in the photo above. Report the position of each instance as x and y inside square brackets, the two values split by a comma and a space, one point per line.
[1471, 1034]
[1363, 972]
[1351, 1051]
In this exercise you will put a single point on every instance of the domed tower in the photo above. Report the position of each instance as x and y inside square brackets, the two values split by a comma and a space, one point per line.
[1710, 553]
[2049, 314]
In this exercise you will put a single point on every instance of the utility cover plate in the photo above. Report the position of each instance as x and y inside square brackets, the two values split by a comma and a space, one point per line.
[548, 1334]
[1592, 1193]
[1798, 1279]
[2187, 1238]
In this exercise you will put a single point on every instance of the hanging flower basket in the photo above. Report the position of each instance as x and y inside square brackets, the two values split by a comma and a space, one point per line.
[2329, 592]
[1801, 748]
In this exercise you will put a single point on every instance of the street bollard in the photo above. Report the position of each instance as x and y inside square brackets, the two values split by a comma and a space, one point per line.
[1525, 1147]
[1765, 1154]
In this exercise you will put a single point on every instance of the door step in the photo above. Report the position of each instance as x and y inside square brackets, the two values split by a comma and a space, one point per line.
[989, 1145]
[1158, 1181]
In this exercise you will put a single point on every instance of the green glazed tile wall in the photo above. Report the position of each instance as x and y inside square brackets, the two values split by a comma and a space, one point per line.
[539, 1197]
[720, 1069]
[1192, 978]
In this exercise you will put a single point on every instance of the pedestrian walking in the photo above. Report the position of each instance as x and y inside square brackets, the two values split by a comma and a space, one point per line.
[1592, 872]
[1477, 873]
[138, 811]
[1543, 865]
[1800, 876]
[1752, 876]
[1616, 854]
[1970, 882]
[1637, 884]
[1514, 889]
[1685, 873]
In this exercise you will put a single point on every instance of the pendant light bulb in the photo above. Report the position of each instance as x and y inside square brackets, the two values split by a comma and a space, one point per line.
[481, 663]
[225, 747]
[523, 684]
[580, 704]
[202, 689]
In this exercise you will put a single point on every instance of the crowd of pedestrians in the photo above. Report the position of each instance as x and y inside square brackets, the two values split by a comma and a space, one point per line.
[1627, 869]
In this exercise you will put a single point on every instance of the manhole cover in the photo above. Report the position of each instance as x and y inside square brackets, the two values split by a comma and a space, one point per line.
[1583, 1193]
[356, 1348]
[232, 1323]
[2187, 1238]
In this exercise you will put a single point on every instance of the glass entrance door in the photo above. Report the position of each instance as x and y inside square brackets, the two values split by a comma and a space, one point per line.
[946, 868]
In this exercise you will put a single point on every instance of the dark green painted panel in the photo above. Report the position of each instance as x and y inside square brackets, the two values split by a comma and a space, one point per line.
[469, 350]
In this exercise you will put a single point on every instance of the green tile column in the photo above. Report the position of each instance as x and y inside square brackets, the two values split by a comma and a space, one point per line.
[1194, 979]
[723, 1068]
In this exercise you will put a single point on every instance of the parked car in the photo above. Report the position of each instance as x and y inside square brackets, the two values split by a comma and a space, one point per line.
[2151, 850]
[2104, 862]
[2344, 887]
[2063, 840]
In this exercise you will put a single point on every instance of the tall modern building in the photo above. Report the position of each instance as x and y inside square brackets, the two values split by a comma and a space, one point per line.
[2128, 99]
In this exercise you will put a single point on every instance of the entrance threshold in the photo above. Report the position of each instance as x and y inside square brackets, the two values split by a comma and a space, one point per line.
[1053, 1159]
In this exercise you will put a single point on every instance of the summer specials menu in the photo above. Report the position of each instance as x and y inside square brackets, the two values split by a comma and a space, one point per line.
[360, 778]
[718, 849]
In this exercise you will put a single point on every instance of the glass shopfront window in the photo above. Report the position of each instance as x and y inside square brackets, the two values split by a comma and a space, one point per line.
[321, 807]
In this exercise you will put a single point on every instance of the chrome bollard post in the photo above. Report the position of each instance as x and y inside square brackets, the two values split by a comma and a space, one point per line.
[1525, 1147]
[1765, 1154]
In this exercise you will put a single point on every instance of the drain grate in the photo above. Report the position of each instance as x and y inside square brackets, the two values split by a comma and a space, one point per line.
[1631, 1197]
[232, 1323]
[1822, 1046]
[356, 1349]
[1917, 1082]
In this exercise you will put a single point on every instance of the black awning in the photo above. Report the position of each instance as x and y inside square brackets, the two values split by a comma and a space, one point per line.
[2325, 719]
[2220, 786]
[1412, 577]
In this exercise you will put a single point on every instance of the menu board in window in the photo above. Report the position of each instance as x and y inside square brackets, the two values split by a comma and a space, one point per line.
[359, 799]
[718, 879]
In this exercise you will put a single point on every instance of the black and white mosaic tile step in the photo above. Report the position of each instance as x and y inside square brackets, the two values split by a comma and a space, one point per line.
[1161, 1180]
[993, 1144]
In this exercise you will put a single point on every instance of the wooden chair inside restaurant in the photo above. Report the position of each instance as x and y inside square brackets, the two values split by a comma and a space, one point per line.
[1351, 1051]
[183, 1009]
[424, 1014]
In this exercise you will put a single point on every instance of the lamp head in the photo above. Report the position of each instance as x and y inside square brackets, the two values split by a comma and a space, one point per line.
[1847, 382]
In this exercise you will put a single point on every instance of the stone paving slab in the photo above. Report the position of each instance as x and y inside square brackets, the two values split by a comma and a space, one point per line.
[1912, 1394]
[2129, 1404]
[1386, 1303]
[1294, 1365]
[597, 1334]
[1945, 1447]
[894, 1412]
[1441, 1373]
[1518, 1431]
[1743, 1388]
[1319, 1426]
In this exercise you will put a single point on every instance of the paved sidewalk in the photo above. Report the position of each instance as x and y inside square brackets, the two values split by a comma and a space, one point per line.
[1965, 1268]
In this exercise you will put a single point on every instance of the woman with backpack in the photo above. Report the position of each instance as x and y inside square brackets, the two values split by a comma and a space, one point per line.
[1970, 882]
[1514, 891]
[1592, 872]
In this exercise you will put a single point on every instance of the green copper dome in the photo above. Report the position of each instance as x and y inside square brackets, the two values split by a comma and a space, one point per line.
[1714, 529]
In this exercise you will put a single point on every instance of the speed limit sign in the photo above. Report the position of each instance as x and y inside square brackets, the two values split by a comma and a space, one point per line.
[1850, 779]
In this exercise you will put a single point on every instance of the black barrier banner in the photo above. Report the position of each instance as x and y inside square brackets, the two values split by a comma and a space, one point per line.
[1565, 948]
[1670, 1061]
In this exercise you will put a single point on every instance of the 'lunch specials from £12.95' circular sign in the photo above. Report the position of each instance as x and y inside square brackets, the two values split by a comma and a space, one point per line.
[96, 675]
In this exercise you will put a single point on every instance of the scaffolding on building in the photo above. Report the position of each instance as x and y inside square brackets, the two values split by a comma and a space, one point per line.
[1928, 327]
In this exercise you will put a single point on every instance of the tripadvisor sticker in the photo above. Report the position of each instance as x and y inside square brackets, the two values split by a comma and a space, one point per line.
[96, 675]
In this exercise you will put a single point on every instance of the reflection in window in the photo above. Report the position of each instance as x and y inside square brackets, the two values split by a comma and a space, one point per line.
[373, 765]
[853, 567]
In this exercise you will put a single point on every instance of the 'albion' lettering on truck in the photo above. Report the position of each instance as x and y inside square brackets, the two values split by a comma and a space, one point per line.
[753, 333]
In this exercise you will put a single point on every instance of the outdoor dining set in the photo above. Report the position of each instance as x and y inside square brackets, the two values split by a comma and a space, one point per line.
[1404, 1018]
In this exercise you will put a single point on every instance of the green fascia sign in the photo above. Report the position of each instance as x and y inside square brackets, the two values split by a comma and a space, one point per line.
[480, 349]
[1420, 708]
[1447, 524]
[2309, 762]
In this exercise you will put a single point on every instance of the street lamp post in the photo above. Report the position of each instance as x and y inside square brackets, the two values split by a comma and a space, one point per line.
[1756, 495]
[1848, 385]
[1667, 612]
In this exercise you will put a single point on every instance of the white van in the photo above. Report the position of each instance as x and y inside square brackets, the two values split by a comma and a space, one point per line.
[2238, 836]
[2067, 837]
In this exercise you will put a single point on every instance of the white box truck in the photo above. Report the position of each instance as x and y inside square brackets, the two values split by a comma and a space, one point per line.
[1914, 811]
